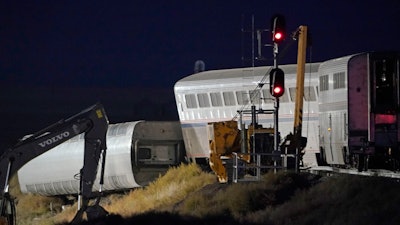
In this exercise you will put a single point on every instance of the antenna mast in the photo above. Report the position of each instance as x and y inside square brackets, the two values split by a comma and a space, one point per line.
[257, 41]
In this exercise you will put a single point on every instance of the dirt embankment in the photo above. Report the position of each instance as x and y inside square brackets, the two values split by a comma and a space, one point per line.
[282, 199]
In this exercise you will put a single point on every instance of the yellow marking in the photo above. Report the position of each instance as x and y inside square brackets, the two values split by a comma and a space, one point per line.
[99, 113]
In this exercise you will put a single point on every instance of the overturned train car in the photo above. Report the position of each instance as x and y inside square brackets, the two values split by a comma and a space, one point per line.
[137, 153]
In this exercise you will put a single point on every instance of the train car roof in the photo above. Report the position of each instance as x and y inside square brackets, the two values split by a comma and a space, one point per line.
[244, 72]
[337, 61]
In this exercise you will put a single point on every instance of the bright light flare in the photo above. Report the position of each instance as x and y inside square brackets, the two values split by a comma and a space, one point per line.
[278, 90]
[278, 36]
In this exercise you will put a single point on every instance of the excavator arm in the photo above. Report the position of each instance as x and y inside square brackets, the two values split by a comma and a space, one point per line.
[92, 121]
[295, 143]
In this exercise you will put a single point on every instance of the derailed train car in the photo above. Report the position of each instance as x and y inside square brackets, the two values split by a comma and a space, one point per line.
[359, 115]
[351, 109]
[218, 95]
[137, 153]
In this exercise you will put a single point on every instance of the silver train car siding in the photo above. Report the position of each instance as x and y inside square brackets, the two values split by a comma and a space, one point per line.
[137, 153]
[217, 95]
[333, 109]
[359, 111]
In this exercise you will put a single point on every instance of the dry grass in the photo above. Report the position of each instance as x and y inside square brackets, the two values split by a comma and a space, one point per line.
[166, 190]
[344, 200]
[243, 200]
[169, 189]
[188, 195]
[34, 209]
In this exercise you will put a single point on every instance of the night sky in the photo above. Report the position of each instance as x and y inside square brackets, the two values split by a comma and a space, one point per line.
[155, 43]
[57, 57]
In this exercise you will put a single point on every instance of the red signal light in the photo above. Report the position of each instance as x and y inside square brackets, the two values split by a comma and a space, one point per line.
[278, 91]
[278, 36]
[277, 82]
[278, 27]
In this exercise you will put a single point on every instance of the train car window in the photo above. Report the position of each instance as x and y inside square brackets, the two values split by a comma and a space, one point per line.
[292, 94]
[268, 98]
[190, 101]
[255, 97]
[384, 73]
[216, 99]
[324, 83]
[242, 97]
[204, 101]
[309, 94]
[339, 80]
[284, 97]
[144, 153]
[229, 98]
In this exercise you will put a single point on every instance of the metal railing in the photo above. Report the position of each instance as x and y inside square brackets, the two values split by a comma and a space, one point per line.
[263, 162]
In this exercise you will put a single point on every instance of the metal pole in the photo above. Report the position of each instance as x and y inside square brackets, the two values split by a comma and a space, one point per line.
[276, 125]
[276, 111]
[276, 50]
[5, 189]
[252, 41]
[276, 130]
[242, 133]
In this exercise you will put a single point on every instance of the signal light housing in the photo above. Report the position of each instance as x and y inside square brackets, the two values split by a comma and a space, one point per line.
[278, 27]
[277, 82]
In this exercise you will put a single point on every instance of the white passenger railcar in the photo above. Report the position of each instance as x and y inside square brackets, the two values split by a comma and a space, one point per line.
[217, 95]
[137, 153]
[359, 108]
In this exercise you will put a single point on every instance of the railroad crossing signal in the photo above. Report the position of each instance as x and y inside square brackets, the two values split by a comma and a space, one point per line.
[277, 82]
[278, 27]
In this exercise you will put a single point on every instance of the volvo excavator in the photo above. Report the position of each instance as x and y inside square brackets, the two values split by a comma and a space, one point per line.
[93, 122]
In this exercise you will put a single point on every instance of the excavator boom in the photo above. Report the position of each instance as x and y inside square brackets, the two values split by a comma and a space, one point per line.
[295, 143]
[93, 122]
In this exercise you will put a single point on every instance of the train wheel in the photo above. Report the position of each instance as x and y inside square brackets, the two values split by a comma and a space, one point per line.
[321, 160]
[359, 162]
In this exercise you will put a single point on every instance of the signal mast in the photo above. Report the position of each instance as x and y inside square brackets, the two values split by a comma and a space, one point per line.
[277, 76]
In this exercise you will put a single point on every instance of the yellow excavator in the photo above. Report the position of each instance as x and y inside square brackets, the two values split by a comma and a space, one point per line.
[226, 140]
